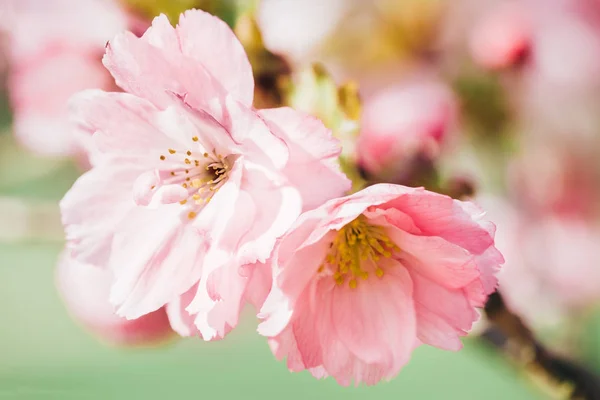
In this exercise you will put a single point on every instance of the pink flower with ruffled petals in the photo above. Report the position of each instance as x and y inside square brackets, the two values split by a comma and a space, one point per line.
[362, 280]
[192, 186]
[55, 50]
[84, 289]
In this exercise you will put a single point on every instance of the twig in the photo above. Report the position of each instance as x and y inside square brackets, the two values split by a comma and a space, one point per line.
[510, 334]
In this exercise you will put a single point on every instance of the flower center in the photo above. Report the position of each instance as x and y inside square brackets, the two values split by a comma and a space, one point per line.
[355, 251]
[202, 174]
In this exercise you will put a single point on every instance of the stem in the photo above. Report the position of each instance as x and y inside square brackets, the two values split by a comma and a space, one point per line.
[511, 336]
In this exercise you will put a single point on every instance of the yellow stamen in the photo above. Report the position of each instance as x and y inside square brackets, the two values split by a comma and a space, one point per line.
[356, 250]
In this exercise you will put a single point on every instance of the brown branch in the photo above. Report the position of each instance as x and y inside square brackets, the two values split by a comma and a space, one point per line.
[511, 335]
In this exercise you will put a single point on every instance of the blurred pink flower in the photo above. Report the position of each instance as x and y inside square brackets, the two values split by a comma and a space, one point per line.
[192, 186]
[402, 122]
[421, 260]
[551, 267]
[501, 38]
[556, 177]
[84, 289]
[548, 33]
[55, 49]
[564, 31]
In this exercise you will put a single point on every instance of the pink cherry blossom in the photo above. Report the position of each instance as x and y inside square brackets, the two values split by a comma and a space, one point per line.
[551, 262]
[84, 289]
[192, 186]
[556, 177]
[55, 48]
[403, 121]
[363, 280]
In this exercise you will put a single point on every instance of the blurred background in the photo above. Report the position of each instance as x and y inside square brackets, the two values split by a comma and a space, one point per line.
[496, 101]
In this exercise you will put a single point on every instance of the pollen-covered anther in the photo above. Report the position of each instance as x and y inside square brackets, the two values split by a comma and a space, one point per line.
[201, 179]
[355, 252]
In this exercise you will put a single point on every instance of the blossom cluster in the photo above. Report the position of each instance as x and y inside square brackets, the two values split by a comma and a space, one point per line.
[197, 203]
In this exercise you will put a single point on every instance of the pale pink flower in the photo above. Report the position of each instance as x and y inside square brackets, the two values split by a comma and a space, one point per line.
[192, 186]
[403, 121]
[565, 30]
[551, 268]
[55, 49]
[84, 289]
[556, 177]
[363, 280]
[503, 37]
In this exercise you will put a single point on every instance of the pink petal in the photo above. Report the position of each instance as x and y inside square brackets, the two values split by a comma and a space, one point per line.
[149, 274]
[190, 127]
[161, 34]
[276, 313]
[314, 153]
[338, 360]
[345, 209]
[376, 321]
[261, 279]
[251, 132]
[181, 321]
[124, 124]
[301, 269]
[394, 217]
[453, 220]
[231, 288]
[151, 73]
[277, 207]
[209, 41]
[442, 314]
[226, 287]
[218, 216]
[90, 212]
[145, 192]
[435, 258]
[306, 336]
[143, 187]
